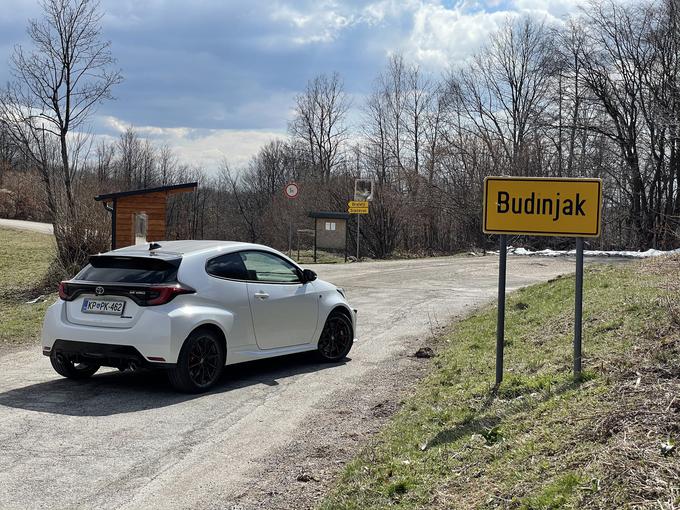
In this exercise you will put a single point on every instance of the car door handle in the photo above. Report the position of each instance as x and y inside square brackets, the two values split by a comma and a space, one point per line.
[261, 295]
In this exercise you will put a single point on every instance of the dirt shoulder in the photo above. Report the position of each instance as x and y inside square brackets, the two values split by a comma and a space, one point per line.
[301, 473]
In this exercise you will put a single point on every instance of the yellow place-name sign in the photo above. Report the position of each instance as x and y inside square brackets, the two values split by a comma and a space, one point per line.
[357, 207]
[542, 206]
[357, 204]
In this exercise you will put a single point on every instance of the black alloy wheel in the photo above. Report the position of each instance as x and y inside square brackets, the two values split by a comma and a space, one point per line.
[200, 362]
[336, 338]
[204, 361]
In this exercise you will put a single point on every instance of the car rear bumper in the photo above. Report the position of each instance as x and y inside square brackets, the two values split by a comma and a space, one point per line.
[152, 337]
[106, 355]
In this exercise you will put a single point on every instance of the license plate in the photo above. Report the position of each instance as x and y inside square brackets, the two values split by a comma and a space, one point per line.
[103, 306]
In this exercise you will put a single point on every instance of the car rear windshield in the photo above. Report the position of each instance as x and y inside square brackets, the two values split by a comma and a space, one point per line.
[106, 268]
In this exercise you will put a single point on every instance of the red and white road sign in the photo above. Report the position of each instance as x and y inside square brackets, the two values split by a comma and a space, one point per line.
[292, 190]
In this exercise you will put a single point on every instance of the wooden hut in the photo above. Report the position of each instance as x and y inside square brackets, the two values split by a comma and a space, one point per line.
[139, 216]
[331, 232]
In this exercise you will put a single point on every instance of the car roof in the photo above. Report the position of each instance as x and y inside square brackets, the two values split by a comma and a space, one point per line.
[187, 248]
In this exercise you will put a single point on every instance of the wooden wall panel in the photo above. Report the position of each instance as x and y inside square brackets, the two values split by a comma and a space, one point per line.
[153, 204]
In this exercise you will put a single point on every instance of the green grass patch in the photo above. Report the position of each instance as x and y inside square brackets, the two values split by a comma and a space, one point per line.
[556, 494]
[22, 322]
[541, 441]
[25, 258]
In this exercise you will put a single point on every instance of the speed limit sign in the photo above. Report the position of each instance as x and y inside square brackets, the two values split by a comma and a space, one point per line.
[292, 190]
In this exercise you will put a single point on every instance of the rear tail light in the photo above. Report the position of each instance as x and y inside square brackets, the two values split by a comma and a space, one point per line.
[143, 296]
[64, 292]
[159, 295]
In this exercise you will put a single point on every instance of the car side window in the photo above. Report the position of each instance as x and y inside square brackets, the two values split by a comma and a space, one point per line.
[265, 267]
[229, 266]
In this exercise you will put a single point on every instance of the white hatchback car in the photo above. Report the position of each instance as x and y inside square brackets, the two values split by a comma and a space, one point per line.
[192, 307]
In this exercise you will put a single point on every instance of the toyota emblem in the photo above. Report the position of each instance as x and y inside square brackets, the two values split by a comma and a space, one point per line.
[99, 291]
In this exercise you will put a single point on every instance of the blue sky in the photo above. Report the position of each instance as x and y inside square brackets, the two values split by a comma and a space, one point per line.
[217, 78]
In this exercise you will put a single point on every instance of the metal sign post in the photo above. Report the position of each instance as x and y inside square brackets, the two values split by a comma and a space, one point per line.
[363, 193]
[578, 308]
[358, 207]
[542, 206]
[358, 230]
[500, 326]
[291, 191]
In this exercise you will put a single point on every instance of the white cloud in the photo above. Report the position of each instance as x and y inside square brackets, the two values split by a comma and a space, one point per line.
[442, 36]
[377, 12]
[324, 21]
[551, 9]
[205, 148]
[319, 24]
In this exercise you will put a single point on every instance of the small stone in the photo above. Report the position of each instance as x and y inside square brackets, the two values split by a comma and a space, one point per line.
[424, 352]
[306, 477]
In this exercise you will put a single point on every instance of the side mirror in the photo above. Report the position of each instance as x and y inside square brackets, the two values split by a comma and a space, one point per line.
[308, 276]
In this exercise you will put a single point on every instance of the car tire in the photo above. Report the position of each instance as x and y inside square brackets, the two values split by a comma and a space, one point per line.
[67, 368]
[200, 362]
[336, 338]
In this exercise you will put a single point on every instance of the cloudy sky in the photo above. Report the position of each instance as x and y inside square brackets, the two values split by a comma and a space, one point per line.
[217, 78]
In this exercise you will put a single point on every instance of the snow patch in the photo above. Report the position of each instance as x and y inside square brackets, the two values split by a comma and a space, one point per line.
[519, 251]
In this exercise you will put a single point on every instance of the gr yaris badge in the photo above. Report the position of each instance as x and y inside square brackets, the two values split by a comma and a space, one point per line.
[99, 290]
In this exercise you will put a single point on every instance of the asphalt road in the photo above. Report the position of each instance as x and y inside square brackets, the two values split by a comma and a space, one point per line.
[125, 440]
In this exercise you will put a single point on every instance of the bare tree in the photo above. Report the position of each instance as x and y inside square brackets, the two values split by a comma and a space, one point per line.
[375, 132]
[105, 153]
[58, 82]
[503, 91]
[147, 169]
[628, 63]
[394, 85]
[246, 203]
[63, 76]
[417, 104]
[320, 122]
[8, 152]
[129, 148]
[269, 170]
[167, 164]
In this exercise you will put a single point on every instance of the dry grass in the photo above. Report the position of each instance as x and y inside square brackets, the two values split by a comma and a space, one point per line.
[641, 465]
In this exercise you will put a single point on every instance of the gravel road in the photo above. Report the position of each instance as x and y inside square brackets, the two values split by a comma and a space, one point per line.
[34, 226]
[272, 435]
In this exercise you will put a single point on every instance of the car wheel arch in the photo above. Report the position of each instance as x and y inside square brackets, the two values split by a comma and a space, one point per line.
[213, 328]
[342, 310]
[337, 309]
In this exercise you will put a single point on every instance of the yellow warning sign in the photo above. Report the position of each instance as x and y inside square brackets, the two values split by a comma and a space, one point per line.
[542, 206]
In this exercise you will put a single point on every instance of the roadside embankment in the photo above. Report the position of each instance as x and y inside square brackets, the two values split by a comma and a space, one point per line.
[543, 441]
